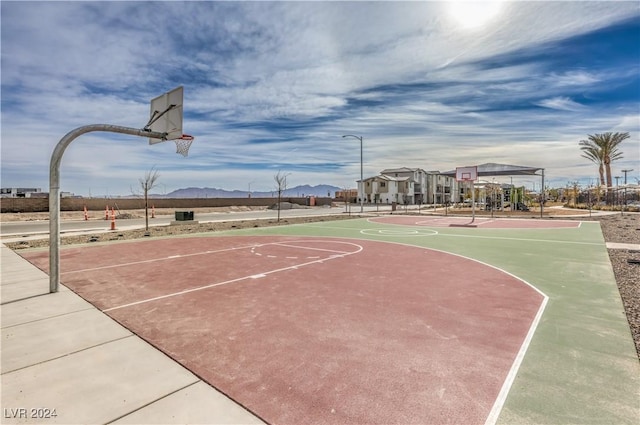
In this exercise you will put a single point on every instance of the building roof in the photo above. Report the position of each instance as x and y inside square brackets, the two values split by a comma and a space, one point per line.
[493, 169]
[398, 170]
[387, 178]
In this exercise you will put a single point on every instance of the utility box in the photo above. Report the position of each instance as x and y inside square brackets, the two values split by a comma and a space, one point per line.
[184, 215]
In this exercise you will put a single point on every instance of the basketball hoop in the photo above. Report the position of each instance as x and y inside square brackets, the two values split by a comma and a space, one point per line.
[183, 143]
[466, 174]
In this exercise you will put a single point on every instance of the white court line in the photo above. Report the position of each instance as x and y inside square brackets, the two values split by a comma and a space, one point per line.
[171, 257]
[399, 232]
[494, 414]
[519, 239]
[437, 220]
[308, 247]
[454, 235]
[133, 263]
[452, 218]
[486, 221]
[253, 276]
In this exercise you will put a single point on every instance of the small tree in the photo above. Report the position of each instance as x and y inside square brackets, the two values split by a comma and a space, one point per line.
[575, 186]
[148, 183]
[281, 182]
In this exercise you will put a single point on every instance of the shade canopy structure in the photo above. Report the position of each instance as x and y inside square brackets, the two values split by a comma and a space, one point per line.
[493, 169]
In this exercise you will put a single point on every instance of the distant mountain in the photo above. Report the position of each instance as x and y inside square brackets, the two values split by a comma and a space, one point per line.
[321, 190]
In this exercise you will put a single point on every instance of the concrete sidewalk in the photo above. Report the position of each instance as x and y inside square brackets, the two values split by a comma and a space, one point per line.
[629, 246]
[64, 361]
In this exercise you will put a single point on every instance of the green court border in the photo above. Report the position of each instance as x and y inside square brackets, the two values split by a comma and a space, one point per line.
[581, 366]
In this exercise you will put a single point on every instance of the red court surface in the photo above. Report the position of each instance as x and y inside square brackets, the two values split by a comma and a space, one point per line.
[479, 222]
[306, 330]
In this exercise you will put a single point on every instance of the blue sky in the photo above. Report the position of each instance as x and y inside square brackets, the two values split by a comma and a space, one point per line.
[273, 86]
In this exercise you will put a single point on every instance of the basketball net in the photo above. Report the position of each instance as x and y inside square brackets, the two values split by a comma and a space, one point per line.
[183, 143]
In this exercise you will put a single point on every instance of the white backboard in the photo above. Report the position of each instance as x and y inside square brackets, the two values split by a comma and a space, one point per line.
[465, 174]
[166, 115]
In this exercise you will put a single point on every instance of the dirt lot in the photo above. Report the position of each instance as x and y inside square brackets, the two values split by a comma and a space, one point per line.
[156, 231]
[616, 228]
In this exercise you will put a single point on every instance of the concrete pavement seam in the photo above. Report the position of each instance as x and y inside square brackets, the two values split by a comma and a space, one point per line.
[48, 317]
[153, 401]
[70, 353]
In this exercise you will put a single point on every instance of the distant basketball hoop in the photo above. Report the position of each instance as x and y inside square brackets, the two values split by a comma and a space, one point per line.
[466, 174]
[469, 175]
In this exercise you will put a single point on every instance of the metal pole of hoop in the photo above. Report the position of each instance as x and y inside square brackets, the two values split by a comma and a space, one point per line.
[54, 188]
[473, 200]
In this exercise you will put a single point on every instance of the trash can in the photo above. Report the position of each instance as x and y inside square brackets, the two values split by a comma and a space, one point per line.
[184, 215]
[394, 205]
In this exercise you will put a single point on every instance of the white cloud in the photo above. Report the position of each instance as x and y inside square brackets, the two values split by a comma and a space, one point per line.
[561, 103]
[574, 78]
[300, 75]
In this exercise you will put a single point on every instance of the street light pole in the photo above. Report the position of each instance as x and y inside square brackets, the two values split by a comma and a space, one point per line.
[625, 189]
[361, 170]
[625, 174]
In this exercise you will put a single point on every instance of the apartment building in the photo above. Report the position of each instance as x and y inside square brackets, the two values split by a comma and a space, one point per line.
[407, 186]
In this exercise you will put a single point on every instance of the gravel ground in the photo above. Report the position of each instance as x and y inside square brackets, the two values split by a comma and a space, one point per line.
[615, 228]
[625, 263]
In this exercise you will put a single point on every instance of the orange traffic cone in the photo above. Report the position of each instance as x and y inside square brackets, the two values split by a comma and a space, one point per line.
[113, 219]
[106, 212]
[86, 216]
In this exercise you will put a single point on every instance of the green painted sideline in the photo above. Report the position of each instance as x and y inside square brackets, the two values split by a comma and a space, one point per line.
[581, 366]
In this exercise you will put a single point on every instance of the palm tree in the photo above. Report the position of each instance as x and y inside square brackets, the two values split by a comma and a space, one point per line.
[592, 152]
[603, 150]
